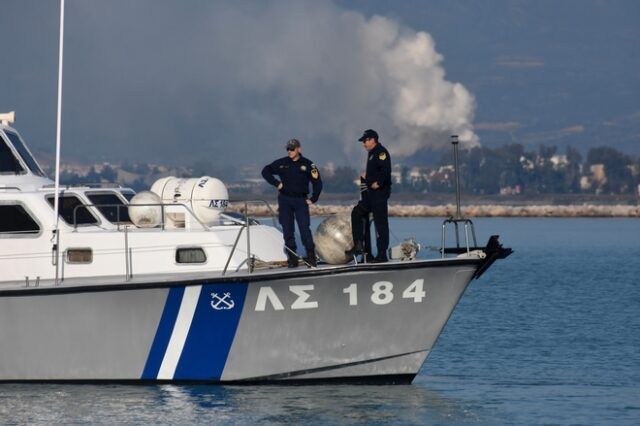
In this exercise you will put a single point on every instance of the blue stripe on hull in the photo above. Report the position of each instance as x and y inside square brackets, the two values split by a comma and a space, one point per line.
[163, 333]
[210, 336]
[212, 331]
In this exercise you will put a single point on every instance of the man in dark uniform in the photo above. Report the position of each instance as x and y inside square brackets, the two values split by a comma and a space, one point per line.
[295, 172]
[376, 188]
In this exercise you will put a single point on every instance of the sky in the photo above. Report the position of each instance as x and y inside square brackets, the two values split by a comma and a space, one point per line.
[229, 82]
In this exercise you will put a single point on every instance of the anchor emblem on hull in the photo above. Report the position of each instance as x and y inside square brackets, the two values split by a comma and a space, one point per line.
[224, 302]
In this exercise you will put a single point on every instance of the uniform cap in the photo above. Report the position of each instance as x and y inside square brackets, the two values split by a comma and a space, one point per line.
[369, 133]
[293, 144]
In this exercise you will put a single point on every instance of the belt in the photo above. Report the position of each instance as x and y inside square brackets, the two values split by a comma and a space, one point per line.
[293, 194]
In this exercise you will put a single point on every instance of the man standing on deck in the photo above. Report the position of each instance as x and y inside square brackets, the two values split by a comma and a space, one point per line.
[295, 173]
[376, 188]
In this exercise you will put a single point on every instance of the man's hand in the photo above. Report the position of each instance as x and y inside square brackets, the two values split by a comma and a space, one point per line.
[375, 185]
[280, 185]
[309, 202]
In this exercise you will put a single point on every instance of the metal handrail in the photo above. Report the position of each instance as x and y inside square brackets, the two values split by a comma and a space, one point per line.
[259, 201]
[233, 249]
[119, 206]
[4, 188]
[247, 225]
[88, 185]
[127, 263]
[467, 224]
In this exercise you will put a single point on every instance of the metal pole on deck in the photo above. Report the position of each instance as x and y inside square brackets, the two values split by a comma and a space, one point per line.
[454, 142]
[458, 217]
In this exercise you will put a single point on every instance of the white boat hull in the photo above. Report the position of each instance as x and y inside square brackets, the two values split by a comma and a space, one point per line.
[363, 323]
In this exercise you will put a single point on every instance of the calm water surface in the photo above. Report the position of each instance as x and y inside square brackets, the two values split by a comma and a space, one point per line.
[551, 335]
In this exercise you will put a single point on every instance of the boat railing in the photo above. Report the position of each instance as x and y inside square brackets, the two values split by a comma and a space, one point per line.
[468, 225]
[120, 206]
[109, 185]
[246, 224]
[257, 201]
[117, 206]
[10, 188]
[250, 260]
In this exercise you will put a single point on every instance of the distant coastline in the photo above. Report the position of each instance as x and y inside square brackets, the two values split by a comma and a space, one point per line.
[485, 210]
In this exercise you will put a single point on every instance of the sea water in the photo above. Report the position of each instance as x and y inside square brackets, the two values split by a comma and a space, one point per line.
[550, 335]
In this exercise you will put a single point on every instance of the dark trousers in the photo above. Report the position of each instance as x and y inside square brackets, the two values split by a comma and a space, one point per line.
[291, 210]
[373, 201]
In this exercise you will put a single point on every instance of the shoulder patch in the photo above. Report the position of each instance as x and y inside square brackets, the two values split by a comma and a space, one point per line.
[382, 156]
[314, 173]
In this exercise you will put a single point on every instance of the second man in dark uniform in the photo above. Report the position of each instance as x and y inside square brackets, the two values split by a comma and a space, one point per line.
[376, 188]
[295, 172]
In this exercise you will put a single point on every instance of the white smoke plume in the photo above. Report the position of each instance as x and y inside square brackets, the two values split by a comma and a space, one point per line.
[239, 72]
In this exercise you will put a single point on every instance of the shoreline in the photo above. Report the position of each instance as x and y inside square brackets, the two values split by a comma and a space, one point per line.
[481, 210]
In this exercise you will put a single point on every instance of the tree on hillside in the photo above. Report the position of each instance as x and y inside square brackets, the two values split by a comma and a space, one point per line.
[572, 171]
[93, 176]
[616, 167]
[480, 171]
[108, 174]
[509, 158]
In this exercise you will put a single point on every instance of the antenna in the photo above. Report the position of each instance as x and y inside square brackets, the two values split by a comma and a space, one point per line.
[59, 113]
[7, 117]
[56, 206]
[458, 219]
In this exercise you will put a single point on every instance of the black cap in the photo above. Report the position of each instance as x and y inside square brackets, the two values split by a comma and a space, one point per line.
[293, 144]
[369, 133]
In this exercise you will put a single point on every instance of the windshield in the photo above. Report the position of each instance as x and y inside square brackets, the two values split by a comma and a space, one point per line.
[25, 154]
[9, 164]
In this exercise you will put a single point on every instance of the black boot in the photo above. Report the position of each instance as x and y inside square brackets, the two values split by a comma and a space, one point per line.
[356, 250]
[311, 258]
[292, 260]
[379, 259]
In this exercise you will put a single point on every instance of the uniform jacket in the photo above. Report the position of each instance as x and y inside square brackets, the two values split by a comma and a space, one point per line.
[295, 177]
[378, 167]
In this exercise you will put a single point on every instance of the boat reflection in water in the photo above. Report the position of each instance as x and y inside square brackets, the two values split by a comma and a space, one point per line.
[167, 286]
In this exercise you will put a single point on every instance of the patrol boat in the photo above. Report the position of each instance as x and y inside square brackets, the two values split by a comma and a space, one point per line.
[167, 286]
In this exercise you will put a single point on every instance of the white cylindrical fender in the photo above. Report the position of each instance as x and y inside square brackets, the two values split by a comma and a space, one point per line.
[206, 196]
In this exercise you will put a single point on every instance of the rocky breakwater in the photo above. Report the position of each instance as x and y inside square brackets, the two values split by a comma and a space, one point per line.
[488, 210]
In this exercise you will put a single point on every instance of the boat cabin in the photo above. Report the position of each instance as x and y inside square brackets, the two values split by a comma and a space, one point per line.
[93, 234]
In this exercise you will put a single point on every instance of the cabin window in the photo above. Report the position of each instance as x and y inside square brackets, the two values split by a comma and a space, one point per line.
[128, 194]
[9, 164]
[111, 206]
[25, 154]
[190, 255]
[14, 219]
[67, 205]
[79, 255]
